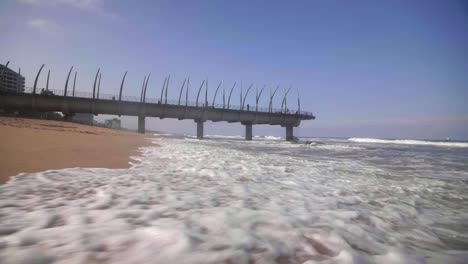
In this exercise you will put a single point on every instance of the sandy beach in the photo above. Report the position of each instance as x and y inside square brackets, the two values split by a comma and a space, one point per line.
[31, 145]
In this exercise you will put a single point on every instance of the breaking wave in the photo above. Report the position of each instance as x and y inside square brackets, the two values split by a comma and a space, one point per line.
[410, 142]
[268, 137]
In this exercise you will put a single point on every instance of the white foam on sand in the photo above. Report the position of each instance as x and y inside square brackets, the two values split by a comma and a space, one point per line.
[411, 142]
[191, 201]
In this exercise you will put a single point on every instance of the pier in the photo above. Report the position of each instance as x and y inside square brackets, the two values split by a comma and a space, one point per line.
[69, 102]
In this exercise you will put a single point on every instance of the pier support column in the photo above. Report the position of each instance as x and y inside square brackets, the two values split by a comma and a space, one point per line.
[141, 124]
[248, 131]
[289, 133]
[199, 129]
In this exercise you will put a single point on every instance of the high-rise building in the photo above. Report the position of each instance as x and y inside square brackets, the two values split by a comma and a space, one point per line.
[10, 80]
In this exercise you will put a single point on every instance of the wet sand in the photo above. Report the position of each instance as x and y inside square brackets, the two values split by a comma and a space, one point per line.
[31, 145]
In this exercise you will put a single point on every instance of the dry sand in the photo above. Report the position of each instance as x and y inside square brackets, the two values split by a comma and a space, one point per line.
[31, 145]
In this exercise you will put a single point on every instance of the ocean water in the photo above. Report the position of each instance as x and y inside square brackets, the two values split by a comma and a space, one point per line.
[226, 200]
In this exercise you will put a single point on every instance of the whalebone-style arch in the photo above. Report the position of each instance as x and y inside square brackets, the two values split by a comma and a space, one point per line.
[146, 87]
[162, 91]
[37, 78]
[121, 91]
[270, 106]
[47, 83]
[122, 86]
[66, 82]
[298, 101]
[240, 100]
[206, 93]
[199, 90]
[181, 90]
[257, 97]
[216, 92]
[74, 84]
[245, 96]
[167, 88]
[142, 89]
[95, 82]
[283, 102]
[99, 85]
[187, 91]
[224, 96]
[230, 93]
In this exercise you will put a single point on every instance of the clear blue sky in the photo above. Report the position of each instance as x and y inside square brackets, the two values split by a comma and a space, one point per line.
[393, 69]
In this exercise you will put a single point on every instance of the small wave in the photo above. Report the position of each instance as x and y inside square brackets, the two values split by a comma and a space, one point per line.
[222, 136]
[336, 147]
[273, 138]
[268, 137]
[163, 134]
[410, 142]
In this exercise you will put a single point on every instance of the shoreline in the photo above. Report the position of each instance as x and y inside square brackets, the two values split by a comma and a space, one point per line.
[35, 145]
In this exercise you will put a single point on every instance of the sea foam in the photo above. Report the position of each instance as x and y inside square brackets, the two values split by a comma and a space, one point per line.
[226, 201]
[411, 142]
